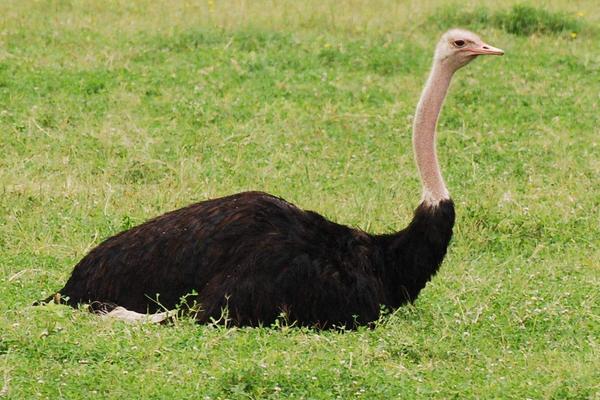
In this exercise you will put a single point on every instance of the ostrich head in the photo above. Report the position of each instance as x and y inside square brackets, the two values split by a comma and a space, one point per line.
[458, 47]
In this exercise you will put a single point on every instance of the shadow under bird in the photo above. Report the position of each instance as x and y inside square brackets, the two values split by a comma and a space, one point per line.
[259, 257]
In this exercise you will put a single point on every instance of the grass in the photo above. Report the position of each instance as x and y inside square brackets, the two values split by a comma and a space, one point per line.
[114, 113]
[521, 19]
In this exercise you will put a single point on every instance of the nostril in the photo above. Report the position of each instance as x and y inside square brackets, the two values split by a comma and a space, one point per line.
[485, 47]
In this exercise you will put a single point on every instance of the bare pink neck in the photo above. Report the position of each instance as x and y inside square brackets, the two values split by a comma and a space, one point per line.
[424, 126]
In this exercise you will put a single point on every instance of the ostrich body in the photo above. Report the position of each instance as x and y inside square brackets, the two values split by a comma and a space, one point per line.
[258, 256]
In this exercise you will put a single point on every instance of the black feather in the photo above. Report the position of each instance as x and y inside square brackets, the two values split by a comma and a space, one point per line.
[258, 256]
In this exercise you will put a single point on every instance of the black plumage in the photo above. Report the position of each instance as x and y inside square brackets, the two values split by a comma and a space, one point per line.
[258, 257]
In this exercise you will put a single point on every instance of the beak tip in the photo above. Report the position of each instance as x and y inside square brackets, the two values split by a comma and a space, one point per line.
[497, 51]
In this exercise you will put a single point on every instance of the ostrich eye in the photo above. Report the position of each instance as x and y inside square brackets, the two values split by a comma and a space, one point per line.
[459, 43]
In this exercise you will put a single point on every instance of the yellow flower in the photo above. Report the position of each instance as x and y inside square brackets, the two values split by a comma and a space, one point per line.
[580, 13]
[573, 35]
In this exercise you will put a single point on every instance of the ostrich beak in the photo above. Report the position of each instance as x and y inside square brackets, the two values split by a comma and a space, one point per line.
[484, 49]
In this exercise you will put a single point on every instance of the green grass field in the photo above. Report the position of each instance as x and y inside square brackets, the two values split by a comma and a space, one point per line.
[114, 112]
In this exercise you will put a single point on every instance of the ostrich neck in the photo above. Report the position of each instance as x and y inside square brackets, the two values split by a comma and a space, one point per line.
[426, 116]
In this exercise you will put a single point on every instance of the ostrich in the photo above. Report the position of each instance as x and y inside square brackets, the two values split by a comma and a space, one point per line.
[255, 257]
